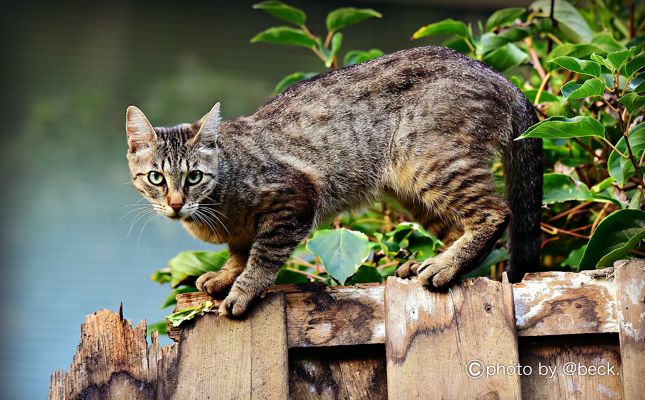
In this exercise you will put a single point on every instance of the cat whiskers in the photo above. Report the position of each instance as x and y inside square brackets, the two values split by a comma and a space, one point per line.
[213, 213]
[203, 218]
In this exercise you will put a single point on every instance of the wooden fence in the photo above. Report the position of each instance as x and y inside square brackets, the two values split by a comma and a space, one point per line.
[553, 336]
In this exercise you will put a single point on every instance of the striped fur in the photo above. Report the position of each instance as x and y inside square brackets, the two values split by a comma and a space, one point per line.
[421, 124]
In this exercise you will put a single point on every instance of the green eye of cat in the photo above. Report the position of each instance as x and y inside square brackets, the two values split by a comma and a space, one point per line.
[156, 178]
[194, 177]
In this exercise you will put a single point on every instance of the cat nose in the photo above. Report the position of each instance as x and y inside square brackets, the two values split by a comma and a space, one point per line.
[176, 206]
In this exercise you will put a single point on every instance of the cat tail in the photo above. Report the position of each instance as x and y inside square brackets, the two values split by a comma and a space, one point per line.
[523, 176]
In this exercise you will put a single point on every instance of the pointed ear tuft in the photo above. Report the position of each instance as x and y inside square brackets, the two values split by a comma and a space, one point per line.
[209, 126]
[140, 132]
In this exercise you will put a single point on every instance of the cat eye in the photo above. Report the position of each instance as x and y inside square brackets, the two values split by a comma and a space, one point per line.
[156, 178]
[194, 177]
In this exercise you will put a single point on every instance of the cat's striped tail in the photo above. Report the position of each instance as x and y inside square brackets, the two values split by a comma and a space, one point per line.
[523, 175]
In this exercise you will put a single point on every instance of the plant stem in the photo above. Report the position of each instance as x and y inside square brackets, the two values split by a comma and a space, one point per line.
[388, 264]
[554, 230]
[571, 210]
[545, 80]
[535, 59]
[600, 216]
[632, 158]
[614, 148]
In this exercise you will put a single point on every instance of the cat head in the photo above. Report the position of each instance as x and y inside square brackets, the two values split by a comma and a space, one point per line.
[174, 168]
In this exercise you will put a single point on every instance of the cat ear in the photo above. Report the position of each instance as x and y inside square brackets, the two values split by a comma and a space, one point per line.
[141, 134]
[209, 126]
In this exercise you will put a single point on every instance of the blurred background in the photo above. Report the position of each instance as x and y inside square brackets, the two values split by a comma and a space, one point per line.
[70, 70]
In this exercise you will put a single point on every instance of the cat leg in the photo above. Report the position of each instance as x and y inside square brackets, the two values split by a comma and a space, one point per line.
[277, 237]
[484, 220]
[219, 282]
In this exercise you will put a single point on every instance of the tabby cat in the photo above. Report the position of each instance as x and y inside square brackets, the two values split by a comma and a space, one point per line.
[421, 125]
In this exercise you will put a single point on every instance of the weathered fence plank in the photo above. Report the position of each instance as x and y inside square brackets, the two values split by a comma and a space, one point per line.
[222, 358]
[564, 303]
[348, 372]
[433, 340]
[112, 362]
[630, 288]
[570, 367]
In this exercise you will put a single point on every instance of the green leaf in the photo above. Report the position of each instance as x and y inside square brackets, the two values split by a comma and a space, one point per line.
[573, 260]
[171, 300]
[607, 42]
[632, 101]
[341, 251]
[585, 67]
[575, 50]
[291, 79]
[490, 41]
[359, 56]
[565, 128]
[161, 327]
[505, 57]
[617, 58]
[634, 65]
[188, 265]
[186, 314]
[365, 274]
[342, 17]
[445, 27]
[495, 256]
[616, 235]
[284, 35]
[287, 276]
[589, 88]
[637, 84]
[283, 11]
[545, 97]
[572, 25]
[336, 42]
[604, 184]
[161, 276]
[503, 17]
[621, 168]
[558, 188]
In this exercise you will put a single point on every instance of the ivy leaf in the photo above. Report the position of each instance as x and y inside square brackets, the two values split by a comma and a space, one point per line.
[545, 97]
[342, 17]
[572, 25]
[503, 17]
[632, 101]
[607, 42]
[558, 188]
[589, 88]
[490, 41]
[291, 79]
[505, 57]
[161, 327]
[584, 67]
[634, 65]
[341, 251]
[188, 265]
[359, 56]
[283, 11]
[637, 84]
[617, 58]
[286, 276]
[616, 235]
[284, 35]
[565, 128]
[445, 27]
[161, 276]
[621, 168]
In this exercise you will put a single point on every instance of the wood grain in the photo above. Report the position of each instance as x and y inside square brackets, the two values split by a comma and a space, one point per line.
[222, 358]
[564, 303]
[551, 357]
[630, 289]
[348, 372]
[431, 337]
[112, 361]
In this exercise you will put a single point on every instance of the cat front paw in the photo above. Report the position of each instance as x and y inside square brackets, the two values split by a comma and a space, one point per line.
[408, 269]
[236, 303]
[215, 282]
[435, 274]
